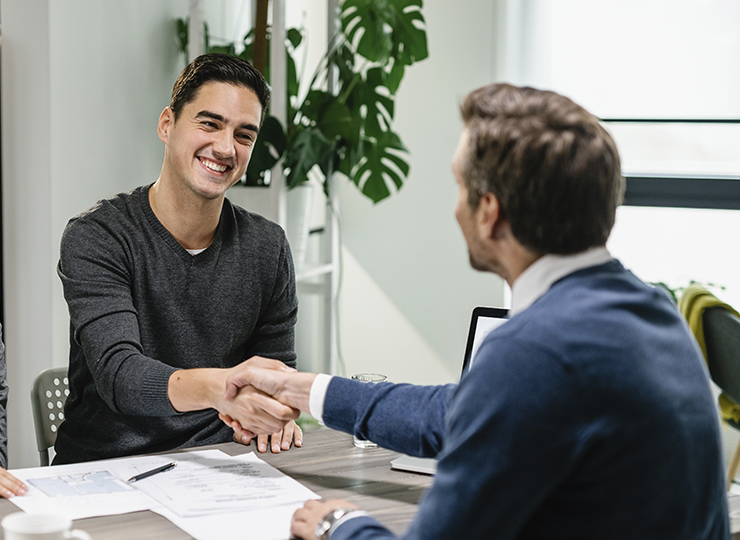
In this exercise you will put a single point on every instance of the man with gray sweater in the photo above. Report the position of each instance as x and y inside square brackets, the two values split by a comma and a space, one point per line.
[170, 286]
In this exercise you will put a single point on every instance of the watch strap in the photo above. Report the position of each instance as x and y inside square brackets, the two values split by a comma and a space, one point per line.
[332, 520]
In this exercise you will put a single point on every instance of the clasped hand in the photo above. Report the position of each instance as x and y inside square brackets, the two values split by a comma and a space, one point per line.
[250, 412]
[275, 392]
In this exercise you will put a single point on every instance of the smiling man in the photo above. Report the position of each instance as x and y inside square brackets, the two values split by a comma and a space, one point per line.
[170, 286]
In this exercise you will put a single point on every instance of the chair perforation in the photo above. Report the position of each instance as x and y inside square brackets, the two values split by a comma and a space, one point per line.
[49, 394]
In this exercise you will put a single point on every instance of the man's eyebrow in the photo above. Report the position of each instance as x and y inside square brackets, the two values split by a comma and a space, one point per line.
[218, 117]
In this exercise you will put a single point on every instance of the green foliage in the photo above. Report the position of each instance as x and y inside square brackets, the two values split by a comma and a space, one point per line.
[676, 292]
[349, 131]
[267, 151]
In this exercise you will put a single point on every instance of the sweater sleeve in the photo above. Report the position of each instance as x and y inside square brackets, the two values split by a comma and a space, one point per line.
[400, 417]
[95, 270]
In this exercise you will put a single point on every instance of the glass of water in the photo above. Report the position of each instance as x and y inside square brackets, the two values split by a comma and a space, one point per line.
[371, 378]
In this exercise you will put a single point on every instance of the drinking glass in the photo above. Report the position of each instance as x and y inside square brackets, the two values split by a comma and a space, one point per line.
[371, 378]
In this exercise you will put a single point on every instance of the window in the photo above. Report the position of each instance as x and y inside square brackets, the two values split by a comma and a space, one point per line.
[664, 75]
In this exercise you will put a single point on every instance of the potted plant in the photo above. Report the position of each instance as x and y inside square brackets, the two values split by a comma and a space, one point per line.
[350, 130]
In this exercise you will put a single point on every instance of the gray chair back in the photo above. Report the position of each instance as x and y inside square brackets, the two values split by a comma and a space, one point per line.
[49, 392]
[722, 338]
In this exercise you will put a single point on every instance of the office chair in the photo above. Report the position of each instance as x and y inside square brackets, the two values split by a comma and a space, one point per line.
[722, 340]
[49, 392]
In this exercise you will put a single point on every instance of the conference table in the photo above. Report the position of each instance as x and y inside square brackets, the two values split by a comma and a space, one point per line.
[328, 464]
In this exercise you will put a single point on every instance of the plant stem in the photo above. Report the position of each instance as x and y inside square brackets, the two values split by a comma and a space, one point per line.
[259, 59]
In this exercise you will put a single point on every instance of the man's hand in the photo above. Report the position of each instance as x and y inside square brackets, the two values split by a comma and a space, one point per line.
[304, 522]
[10, 485]
[205, 388]
[289, 387]
[257, 412]
[279, 441]
[240, 376]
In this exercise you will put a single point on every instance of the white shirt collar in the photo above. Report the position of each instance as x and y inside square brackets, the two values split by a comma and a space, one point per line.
[541, 274]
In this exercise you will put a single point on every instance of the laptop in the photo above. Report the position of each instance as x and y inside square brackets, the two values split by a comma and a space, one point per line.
[483, 321]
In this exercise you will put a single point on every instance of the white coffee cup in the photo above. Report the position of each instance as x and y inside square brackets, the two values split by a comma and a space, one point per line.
[22, 526]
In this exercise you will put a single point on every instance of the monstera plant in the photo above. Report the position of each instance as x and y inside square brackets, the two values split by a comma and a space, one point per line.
[348, 130]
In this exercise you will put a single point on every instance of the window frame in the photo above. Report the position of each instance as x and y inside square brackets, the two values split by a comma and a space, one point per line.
[690, 191]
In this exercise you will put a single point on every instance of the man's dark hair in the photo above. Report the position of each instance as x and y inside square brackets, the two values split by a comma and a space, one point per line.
[553, 168]
[216, 67]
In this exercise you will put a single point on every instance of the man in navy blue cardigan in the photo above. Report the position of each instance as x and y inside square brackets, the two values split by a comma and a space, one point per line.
[589, 413]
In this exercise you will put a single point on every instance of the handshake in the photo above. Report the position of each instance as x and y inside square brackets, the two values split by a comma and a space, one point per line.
[263, 397]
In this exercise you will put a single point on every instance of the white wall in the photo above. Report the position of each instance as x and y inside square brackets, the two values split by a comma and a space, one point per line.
[409, 246]
[84, 82]
[26, 170]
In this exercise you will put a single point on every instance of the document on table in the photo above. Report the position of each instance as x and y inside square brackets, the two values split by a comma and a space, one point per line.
[204, 482]
[211, 482]
[271, 523]
[83, 490]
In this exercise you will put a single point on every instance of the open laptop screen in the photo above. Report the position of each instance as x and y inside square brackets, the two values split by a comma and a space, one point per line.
[483, 321]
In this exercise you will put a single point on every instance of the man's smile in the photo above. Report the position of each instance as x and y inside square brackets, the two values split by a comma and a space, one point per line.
[213, 166]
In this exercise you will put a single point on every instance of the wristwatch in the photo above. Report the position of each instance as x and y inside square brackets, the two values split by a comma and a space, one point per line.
[322, 529]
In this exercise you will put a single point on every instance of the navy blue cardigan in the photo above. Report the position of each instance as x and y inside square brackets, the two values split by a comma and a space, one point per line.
[588, 415]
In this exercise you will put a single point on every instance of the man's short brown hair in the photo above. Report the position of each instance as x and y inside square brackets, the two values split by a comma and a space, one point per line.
[553, 168]
[216, 67]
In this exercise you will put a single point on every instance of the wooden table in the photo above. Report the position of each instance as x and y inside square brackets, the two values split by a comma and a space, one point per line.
[328, 464]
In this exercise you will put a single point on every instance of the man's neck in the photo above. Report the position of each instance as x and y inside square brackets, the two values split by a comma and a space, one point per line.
[516, 260]
[191, 220]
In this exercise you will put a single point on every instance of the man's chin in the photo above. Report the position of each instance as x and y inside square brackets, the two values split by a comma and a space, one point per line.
[213, 190]
[491, 265]
[475, 264]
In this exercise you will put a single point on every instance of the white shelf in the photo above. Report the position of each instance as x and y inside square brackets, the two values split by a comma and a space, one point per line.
[306, 274]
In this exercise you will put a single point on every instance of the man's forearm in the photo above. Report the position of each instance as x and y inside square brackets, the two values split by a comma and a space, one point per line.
[204, 388]
[196, 389]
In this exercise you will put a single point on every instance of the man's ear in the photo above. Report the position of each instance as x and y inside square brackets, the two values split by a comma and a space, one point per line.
[166, 120]
[488, 216]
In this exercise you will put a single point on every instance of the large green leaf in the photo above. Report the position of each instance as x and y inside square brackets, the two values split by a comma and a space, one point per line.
[268, 149]
[370, 16]
[331, 116]
[337, 120]
[409, 36]
[306, 148]
[315, 103]
[371, 95]
[390, 29]
[380, 166]
[394, 77]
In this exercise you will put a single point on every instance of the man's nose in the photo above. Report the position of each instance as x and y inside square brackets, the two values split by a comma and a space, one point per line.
[223, 145]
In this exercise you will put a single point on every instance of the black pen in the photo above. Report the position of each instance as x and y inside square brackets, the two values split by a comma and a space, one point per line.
[147, 474]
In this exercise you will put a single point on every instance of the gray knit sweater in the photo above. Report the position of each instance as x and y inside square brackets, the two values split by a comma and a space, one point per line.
[142, 307]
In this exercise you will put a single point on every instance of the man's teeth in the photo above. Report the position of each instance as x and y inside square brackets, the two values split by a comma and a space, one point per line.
[213, 166]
